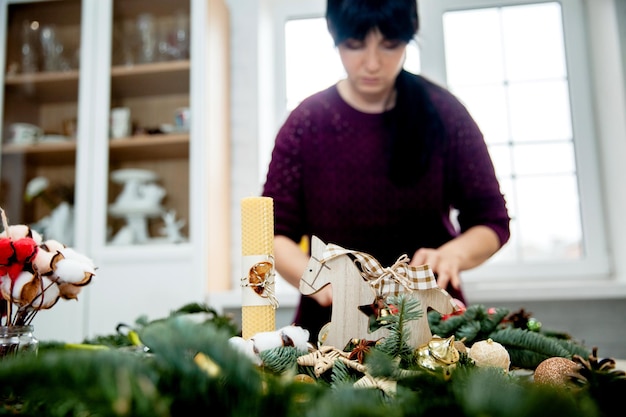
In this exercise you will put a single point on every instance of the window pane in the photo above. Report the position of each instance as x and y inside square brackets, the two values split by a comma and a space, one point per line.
[544, 159]
[548, 218]
[502, 160]
[512, 77]
[467, 63]
[533, 35]
[312, 62]
[487, 104]
[540, 110]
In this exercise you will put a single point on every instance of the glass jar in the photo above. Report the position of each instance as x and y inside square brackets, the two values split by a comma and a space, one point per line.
[17, 340]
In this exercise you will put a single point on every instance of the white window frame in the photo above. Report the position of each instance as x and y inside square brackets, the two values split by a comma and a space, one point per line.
[590, 277]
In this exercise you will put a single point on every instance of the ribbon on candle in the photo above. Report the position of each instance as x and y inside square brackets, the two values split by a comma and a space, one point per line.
[260, 280]
[258, 297]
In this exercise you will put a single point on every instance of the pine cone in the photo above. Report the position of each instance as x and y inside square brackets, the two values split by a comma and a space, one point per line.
[594, 371]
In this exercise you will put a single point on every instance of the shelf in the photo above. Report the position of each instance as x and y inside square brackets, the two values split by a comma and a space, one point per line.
[56, 153]
[170, 77]
[141, 147]
[44, 87]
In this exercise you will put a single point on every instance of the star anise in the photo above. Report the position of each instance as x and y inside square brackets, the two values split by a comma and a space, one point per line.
[359, 348]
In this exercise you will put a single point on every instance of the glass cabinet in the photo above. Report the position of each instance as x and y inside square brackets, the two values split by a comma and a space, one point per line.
[148, 199]
[115, 140]
[40, 113]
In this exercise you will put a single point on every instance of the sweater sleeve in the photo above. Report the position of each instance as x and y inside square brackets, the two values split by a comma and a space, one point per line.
[284, 178]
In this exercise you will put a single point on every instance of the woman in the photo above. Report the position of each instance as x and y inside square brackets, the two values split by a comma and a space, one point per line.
[379, 161]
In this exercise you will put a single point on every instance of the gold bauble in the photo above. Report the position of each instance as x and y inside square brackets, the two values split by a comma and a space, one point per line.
[555, 371]
[439, 355]
[487, 353]
[304, 378]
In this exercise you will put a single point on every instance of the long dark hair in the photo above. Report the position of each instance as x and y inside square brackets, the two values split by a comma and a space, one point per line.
[414, 123]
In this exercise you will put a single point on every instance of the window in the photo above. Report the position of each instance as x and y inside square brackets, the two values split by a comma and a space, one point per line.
[519, 67]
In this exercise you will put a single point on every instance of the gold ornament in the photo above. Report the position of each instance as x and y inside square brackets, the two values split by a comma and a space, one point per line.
[556, 371]
[489, 353]
[438, 355]
[304, 378]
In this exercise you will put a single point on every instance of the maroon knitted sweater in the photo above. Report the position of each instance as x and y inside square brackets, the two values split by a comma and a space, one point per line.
[328, 177]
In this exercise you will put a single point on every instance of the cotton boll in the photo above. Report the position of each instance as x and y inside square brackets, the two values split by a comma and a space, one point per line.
[27, 289]
[14, 289]
[298, 335]
[70, 253]
[246, 347]
[20, 231]
[50, 296]
[266, 340]
[77, 273]
[287, 336]
[46, 261]
[52, 245]
[69, 291]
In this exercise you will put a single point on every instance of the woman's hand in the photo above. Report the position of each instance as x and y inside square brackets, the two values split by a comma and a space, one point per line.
[466, 251]
[324, 297]
[445, 266]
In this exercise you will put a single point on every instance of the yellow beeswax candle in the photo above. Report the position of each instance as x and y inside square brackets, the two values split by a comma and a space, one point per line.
[257, 231]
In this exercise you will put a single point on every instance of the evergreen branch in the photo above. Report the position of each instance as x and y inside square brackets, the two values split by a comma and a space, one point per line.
[531, 341]
[396, 344]
[105, 382]
[280, 359]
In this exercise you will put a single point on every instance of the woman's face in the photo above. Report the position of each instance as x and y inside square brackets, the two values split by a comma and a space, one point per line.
[372, 64]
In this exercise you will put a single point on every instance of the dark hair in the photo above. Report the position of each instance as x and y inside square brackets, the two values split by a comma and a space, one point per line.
[415, 128]
[353, 19]
[414, 123]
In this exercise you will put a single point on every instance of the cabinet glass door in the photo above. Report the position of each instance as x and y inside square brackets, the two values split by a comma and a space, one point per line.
[40, 115]
[149, 123]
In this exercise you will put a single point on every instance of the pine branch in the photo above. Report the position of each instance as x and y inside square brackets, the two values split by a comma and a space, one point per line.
[396, 344]
[280, 359]
[537, 343]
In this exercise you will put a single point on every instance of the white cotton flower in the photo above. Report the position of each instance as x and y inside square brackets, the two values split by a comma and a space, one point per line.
[46, 261]
[73, 271]
[27, 289]
[246, 347]
[52, 245]
[70, 253]
[5, 287]
[69, 291]
[298, 335]
[20, 231]
[286, 336]
[50, 295]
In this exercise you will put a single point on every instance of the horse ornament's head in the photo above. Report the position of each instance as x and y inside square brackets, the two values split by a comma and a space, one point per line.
[313, 279]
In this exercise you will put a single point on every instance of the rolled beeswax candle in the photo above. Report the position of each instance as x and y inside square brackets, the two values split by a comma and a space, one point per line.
[257, 231]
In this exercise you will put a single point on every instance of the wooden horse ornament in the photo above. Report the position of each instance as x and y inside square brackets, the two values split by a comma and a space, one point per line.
[357, 279]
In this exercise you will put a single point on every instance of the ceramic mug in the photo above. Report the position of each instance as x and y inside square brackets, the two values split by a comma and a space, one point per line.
[120, 122]
[25, 133]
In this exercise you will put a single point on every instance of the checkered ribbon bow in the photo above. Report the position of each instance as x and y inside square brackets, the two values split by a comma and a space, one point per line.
[389, 280]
